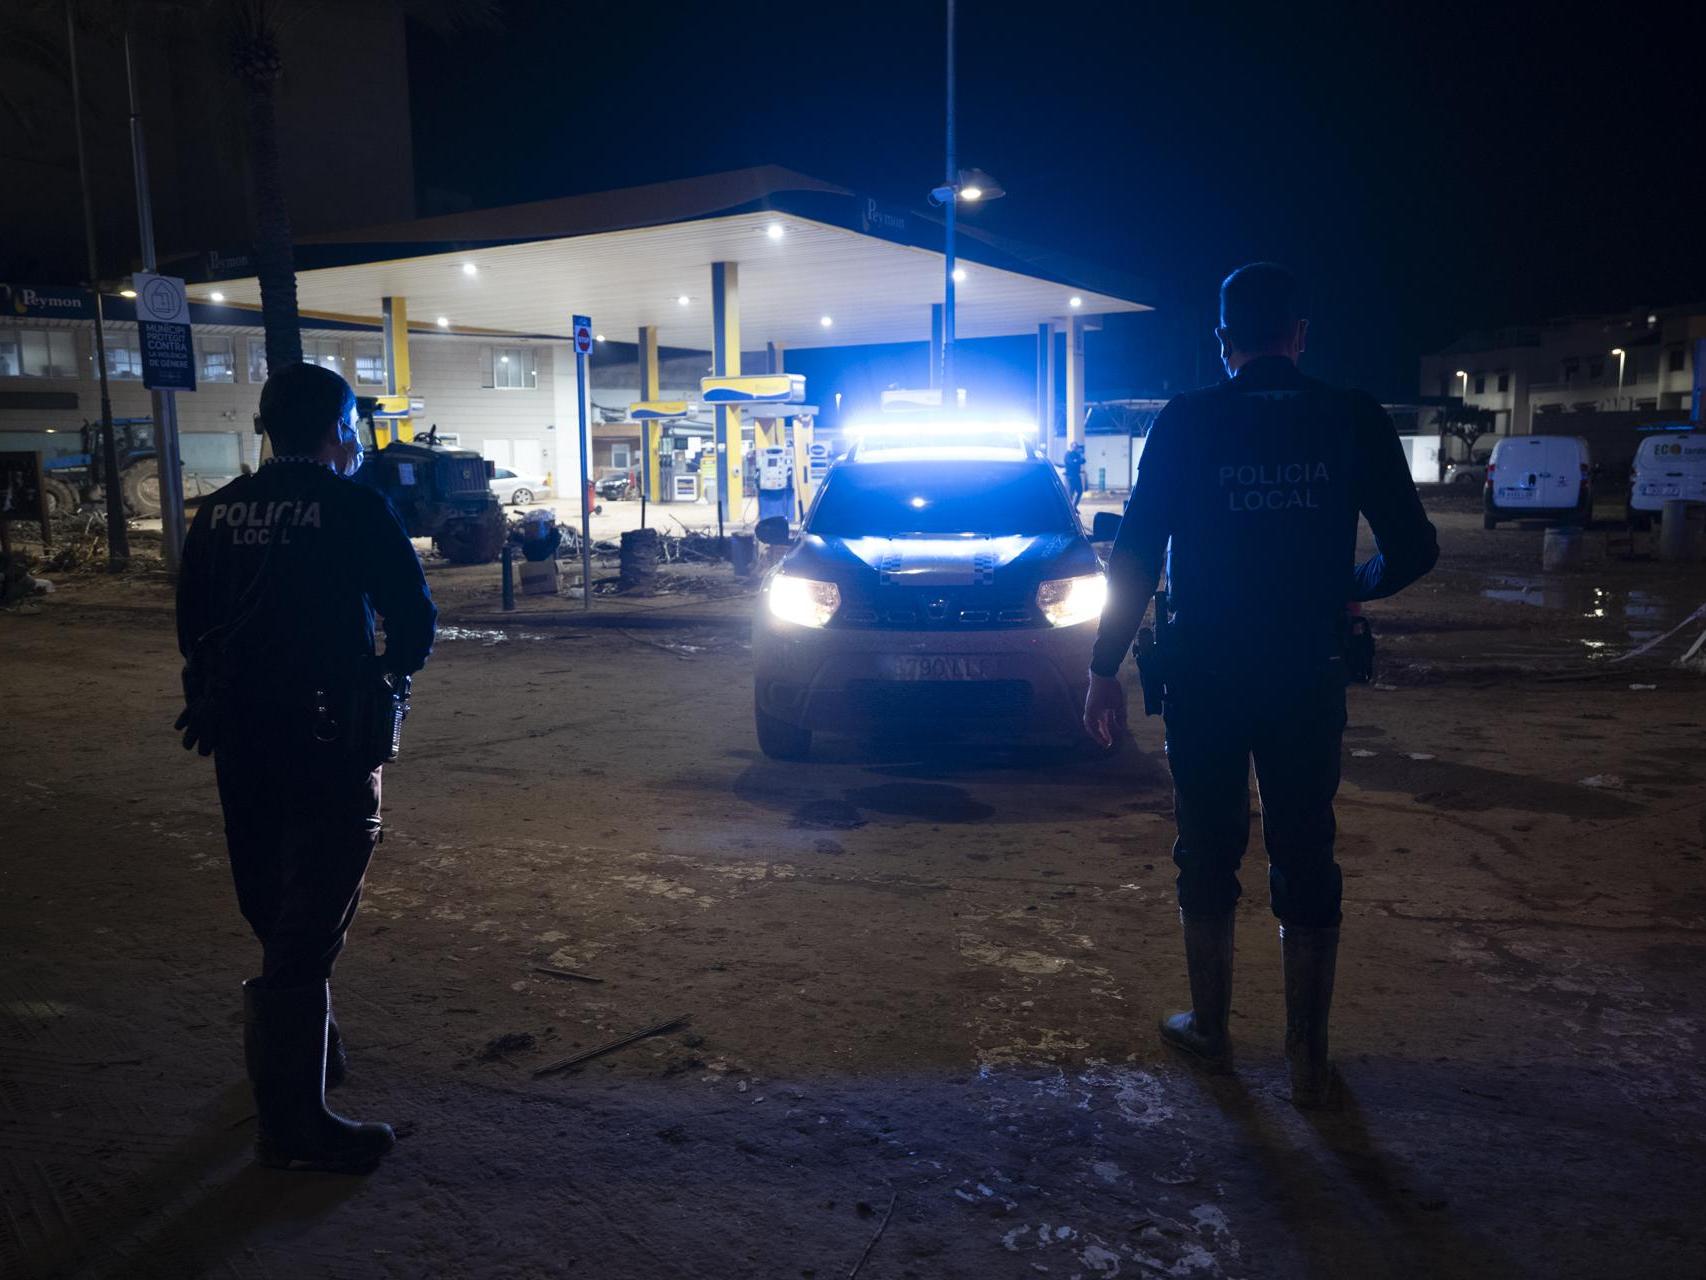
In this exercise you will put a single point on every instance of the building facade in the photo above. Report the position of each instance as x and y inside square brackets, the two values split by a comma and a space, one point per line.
[1647, 361]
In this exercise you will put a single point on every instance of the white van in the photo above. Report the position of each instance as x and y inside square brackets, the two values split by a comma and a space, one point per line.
[1668, 466]
[1538, 478]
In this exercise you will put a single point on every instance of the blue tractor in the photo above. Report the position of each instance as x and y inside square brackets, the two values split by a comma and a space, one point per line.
[75, 478]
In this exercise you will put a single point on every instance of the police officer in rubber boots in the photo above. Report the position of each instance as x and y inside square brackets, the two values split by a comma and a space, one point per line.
[1247, 496]
[283, 571]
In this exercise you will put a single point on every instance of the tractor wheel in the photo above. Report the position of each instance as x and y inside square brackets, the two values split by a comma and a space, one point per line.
[141, 485]
[474, 540]
[62, 499]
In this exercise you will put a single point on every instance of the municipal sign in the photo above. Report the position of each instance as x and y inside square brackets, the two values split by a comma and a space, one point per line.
[583, 335]
[163, 324]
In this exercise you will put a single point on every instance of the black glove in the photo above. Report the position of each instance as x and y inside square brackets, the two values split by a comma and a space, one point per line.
[197, 725]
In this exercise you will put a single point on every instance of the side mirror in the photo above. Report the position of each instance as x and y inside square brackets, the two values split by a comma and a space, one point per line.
[772, 531]
[1105, 527]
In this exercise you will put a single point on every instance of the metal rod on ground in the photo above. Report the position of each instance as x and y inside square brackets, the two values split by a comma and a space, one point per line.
[165, 403]
[624, 1042]
[118, 534]
[507, 557]
[565, 973]
[872, 1242]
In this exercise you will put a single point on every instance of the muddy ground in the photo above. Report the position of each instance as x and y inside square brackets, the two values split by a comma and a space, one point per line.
[922, 980]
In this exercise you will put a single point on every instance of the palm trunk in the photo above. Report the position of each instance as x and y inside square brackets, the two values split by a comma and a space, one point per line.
[274, 265]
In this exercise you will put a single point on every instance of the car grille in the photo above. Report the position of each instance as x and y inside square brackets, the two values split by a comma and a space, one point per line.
[915, 610]
[939, 699]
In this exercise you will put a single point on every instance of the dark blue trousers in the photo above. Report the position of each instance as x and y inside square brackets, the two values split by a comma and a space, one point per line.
[1290, 723]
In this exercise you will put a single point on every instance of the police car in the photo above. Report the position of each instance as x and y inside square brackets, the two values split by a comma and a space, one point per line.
[940, 582]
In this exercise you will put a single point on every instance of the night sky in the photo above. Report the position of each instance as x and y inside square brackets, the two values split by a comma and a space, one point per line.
[1428, 169]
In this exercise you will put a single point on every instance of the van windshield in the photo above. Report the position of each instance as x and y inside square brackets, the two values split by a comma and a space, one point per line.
[896, 499]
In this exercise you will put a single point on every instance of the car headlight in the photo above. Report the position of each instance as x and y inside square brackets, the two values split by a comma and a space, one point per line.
[803, 601]
[1065, 602]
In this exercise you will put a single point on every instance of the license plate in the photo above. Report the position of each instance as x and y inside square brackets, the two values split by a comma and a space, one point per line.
[1661, 490]
[923, 667]
[1515, 491]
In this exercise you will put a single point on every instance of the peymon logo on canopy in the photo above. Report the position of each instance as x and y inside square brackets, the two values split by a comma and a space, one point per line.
[36, 300]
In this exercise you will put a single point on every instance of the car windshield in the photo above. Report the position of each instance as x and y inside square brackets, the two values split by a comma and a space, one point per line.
[894, 499]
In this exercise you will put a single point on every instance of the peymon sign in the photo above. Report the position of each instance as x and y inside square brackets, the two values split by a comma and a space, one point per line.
[37, 300]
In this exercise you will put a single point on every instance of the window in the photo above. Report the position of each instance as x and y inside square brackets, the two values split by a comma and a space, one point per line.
[323, 351]
[1676, 358]
[1596, 370]
[257, 360]
[1571, 365]
[218, 364]
[1504, 382]
[38, 353]
[619, 457]
[510, 368]
[1480, 384]
[124, 356]
[370, 363]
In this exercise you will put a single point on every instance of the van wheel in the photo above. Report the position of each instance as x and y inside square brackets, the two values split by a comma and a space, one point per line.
[778, 739]
[1489, 520]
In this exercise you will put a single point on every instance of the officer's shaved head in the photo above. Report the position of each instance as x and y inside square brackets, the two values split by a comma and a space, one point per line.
[301, 404]
[1259, 308]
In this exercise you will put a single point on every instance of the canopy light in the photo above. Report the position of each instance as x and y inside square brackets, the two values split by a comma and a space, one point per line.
[127, 293]
[959, 275]
[217, 296]
[683, 300]
[444, 322]
[469, 269]
[598, 337]
[774, 231]
[826, 321]
[1075, 302]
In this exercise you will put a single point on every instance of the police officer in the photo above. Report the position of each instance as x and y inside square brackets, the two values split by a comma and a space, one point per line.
[1256, 484]
[282, 573]
[1075, 474]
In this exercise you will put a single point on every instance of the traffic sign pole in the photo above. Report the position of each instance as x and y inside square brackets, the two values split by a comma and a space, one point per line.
[583, 345]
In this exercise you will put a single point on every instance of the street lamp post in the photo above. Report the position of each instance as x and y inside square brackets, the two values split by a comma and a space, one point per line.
[1621, 357]
[951, 180]
[1464, 374]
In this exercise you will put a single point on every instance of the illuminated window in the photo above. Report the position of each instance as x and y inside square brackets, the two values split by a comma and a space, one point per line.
[257, 360]
[124, 357]
[512, 368]
[218, 363]
[323, 351]
[370, 363]
[38, 353]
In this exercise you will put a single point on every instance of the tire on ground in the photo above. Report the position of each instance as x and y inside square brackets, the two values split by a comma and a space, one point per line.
[62, 499]
[140, 483]
[472, 539]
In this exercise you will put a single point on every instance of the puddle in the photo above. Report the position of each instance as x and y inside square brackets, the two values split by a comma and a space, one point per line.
[486, 637]
[1633, 615]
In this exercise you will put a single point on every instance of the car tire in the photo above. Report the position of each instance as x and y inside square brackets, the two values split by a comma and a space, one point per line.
[1489, 520]
[1463, 479]
[520, 496]
[777, 738]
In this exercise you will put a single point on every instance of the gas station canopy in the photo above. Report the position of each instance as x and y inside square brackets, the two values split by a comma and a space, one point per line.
[819, 266]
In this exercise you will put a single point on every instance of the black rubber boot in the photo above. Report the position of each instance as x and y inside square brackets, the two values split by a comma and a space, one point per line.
[1311, 955]
[1208, 959]
[284, 1044]
[337, 1057]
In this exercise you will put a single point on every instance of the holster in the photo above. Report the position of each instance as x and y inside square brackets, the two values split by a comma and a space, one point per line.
[1151, 651]
[365, 723]
[1356, 643]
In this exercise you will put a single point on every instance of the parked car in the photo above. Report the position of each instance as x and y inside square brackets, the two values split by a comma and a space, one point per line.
[1538, 478]
[1474, 471]
[1668, 466]
[513, 490]
[932, 588]
[614, 486]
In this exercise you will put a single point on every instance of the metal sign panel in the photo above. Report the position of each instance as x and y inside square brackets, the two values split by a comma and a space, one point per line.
[583, 335]
[35, 300]
[163, 324]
